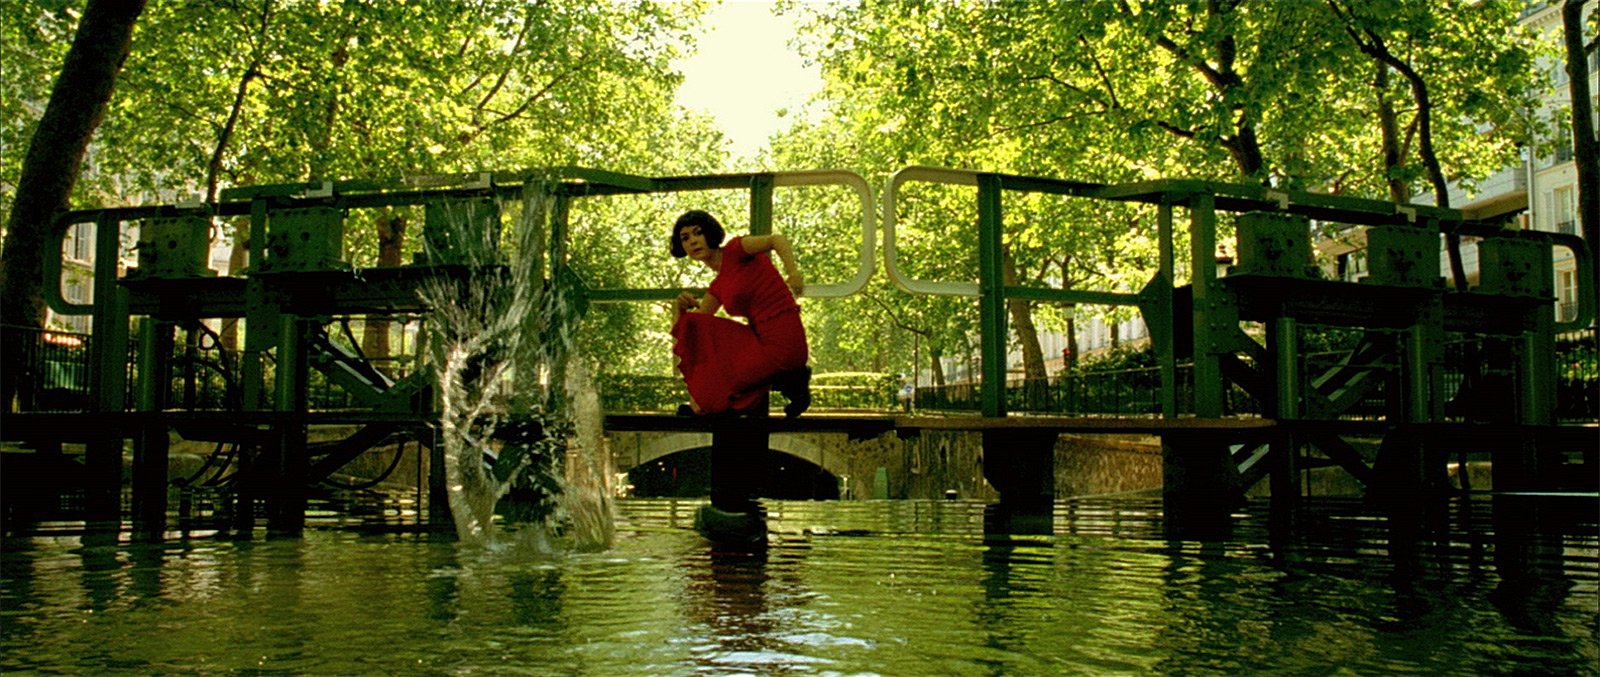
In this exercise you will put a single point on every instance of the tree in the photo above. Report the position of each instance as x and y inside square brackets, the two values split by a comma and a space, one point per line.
[1117, 91]
[1585, 146]
[77, 104]
[235, 92]
[1446, 60]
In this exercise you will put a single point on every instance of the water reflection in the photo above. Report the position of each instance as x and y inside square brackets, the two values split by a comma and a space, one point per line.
[441, 586]
[1014, 572]
[889, 588]
[101, 560]
[1529, 555]
[726, 600]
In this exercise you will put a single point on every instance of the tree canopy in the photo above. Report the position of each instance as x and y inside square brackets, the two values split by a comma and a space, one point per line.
[1373, 98]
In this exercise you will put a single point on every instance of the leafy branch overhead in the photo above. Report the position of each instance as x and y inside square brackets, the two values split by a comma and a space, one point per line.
[1387, 99]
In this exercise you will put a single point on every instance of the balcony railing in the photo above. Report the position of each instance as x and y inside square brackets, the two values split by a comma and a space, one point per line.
[1566, 311]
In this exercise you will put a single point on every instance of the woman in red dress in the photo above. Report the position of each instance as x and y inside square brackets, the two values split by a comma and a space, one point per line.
[730, 366]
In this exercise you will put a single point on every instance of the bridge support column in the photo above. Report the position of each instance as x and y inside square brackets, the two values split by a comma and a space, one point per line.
[150, 453]
[439, 516]
[109, 386]
[1283, 337]
[1021, 465]
[286, 500]
[1200, 488]
[739, 467]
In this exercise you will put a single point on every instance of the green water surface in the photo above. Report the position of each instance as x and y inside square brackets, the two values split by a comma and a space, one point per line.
[883, 587]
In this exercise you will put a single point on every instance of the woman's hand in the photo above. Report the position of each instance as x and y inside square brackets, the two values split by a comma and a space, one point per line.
[686, 302]
[797, 282]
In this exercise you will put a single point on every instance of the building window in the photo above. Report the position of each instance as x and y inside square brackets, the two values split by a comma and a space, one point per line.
[79, 243]
[1353, 266]
[1562, 211]
[75, 288]
[1566, 295]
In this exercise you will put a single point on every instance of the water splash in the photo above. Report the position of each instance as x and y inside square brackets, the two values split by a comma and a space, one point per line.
[517, 451]
[589, 471]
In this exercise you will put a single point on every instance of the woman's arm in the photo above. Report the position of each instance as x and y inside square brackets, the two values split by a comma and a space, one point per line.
[758, 244]
[687, 303]
[709, 304]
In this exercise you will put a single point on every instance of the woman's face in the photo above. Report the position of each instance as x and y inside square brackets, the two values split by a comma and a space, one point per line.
[694, 243]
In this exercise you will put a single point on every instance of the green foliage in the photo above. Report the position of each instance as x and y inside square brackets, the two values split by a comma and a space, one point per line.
[34, 38]
[837, 390]
[264, 91]
[1141, 356]
[1578, 360]
[1276, 93]
[854, 390]
[639, 392]
[267, 91]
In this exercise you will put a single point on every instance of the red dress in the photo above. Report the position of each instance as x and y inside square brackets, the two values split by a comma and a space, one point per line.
[728, 364]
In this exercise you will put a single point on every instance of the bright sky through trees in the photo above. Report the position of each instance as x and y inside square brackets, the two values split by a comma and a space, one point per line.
[745, 73]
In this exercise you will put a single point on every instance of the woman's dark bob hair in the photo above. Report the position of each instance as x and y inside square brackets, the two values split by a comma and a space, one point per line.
[709, 227]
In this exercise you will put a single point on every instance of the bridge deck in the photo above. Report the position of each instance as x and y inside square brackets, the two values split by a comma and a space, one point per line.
[74, 427]
[1468, 436]
[862, 426]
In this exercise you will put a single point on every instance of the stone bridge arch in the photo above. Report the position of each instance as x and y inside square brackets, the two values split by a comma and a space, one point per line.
[644, 448]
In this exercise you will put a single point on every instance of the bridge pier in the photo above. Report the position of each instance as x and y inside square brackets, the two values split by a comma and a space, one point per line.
[1020, 463]
[739, 467]
[1200, 488]
[151, 449]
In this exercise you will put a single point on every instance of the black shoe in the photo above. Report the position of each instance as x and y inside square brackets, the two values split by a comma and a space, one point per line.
[685, 410]
[795, 385]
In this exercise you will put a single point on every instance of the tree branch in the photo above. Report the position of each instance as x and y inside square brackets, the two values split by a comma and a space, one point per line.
[1373, 45]
[998, 131]
[527, 24]
[895, 317]
[528, 103]
[1100, 70]
[1185, 133]
[251, 72]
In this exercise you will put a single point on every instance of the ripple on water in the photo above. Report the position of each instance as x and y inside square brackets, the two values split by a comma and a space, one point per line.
[890, 587]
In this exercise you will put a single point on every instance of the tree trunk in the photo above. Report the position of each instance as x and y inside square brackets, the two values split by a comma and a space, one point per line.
[1585, 147]
[77, 103]
[1430, 158]
[1022, 323]
[1388, 123]
[322, 160]
[1244, 147]
[1034, 384]
[1072, 344]
[391, 241]
[1430, 161]
[238, 258]
[935, 359]
[1373, 45]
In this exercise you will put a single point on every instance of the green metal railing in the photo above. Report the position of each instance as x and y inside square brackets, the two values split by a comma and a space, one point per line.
[1203, 200]
[1204, 392]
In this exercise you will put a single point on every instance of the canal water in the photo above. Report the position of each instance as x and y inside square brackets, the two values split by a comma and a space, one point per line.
[875, 587]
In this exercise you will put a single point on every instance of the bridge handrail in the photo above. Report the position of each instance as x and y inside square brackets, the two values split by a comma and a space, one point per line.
[817, 177]
[891, 256]
[967, 177]
[1585, 271]
[418, 190]
[869, 227]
